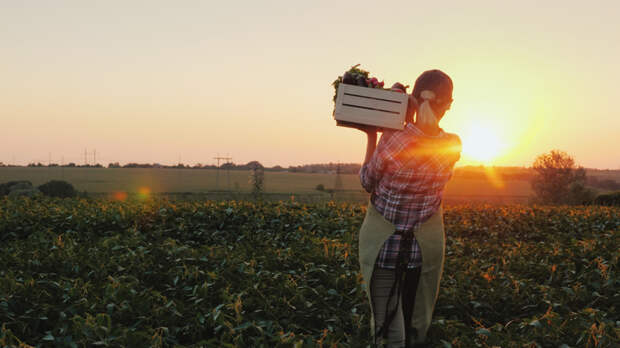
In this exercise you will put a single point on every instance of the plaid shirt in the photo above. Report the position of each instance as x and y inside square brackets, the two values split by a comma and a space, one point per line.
[406, 177]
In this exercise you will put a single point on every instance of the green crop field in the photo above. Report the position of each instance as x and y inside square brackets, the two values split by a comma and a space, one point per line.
[160, 273]
[281, 184]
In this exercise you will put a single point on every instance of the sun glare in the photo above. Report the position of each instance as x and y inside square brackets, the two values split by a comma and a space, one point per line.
[144, 192]
[119, 195]
[481, 143]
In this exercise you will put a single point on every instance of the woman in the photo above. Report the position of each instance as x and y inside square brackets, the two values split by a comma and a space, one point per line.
[402, 237]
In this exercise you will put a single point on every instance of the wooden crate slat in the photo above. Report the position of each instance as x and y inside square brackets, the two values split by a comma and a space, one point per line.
[372, 103]
[369, 117]
[373, 92]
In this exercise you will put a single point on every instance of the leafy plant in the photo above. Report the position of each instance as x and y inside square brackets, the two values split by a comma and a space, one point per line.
[58, 188]
[138, 273]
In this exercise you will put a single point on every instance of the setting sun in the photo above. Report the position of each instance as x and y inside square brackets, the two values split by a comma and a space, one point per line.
[481, 143]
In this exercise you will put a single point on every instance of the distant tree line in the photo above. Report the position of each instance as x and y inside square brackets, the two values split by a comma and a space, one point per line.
[326, 168]
[342, 168]
[68, 165]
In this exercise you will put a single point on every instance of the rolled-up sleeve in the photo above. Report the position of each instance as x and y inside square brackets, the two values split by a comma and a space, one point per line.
[368, 177]
[371, 172]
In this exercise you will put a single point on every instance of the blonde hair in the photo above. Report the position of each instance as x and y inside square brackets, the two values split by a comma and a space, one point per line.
[425, 115]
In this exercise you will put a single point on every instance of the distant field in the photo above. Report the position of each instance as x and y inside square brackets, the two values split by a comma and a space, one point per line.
[163, 180]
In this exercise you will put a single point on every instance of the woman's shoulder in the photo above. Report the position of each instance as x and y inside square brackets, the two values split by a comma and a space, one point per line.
[453, 144]
[452, 137]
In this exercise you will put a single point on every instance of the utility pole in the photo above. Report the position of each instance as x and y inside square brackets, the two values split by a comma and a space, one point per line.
[338, 183]
[95, 157]
[217, 173]
[62, 167]
[179, 169]
[228, 172]
[85, 157]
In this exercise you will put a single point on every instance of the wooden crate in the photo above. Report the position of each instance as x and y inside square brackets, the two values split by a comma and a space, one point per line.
[370, 106]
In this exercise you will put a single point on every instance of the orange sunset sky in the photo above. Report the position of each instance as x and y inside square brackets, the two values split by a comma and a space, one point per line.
[152, 81]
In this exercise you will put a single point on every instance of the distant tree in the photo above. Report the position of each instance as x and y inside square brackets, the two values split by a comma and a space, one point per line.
[227, 165]
[558, 181]
[250, 165]
[20, 188]
[114, 165]
[257, 178]
[7, 187]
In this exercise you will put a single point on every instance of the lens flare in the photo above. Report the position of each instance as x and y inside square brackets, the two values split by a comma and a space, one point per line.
[119, 196]
[494, 178]
[144, 192]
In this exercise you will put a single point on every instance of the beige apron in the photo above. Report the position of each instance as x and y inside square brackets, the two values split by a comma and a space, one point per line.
[430, 236]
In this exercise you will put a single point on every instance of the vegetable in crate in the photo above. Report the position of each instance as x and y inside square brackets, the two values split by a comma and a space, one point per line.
[353, 76]
[349, 78]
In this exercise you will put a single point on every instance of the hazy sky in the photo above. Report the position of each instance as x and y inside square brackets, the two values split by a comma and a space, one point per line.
[149, 81]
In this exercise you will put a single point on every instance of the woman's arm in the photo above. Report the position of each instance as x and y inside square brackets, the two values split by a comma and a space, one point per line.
[369, 175]
[371, 146]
